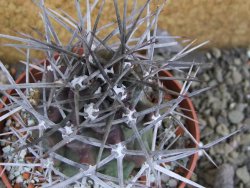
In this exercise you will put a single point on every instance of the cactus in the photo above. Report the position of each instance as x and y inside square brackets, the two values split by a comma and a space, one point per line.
[94, 113]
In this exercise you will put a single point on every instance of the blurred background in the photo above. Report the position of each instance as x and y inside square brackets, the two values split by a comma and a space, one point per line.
[225, 23]
[221, 110]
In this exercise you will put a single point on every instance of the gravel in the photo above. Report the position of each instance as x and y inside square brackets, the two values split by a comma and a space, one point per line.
[224, 177]
[222, 110]
[222, 130]
[216, 53]
[243, 174]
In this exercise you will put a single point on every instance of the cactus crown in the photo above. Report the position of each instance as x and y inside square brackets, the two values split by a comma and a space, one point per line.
[95, 109]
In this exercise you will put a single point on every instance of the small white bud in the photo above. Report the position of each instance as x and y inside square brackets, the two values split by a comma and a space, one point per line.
[130, 116]
[78, 81]
[90, 111]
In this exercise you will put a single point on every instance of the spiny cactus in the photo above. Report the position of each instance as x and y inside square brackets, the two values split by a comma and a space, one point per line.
[95, 112]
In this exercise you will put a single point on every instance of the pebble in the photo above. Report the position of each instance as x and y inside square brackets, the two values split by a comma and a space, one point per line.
[221, 149]
[248, 53]
[218, 75]
[216, 52]
[241, 106]
[8, 123]
[245, 139]
[235, 116]
[19, 179]
[234, 155]
[17, 173]
[3, 78]
[236, 75]
[243, 174]
[6, 149]
[224, 177]
[165, 178]
[11, 177]
[237, 61]
[247, 121]
[209, 177]
[211, 121]
[172, 183]
[222, 129]
[245, 70]
[208, 55]
[31, 122]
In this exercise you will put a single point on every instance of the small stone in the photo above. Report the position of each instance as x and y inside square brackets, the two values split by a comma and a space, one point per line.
[234, 154]
[209, 177]
[228, 149]
[172, 183]
[207, 131]
[224, 177]
[216, 52]
[2, 143]
[245, 139]
[165, 178]
[17, 173]
[237, 61]
[202, 122]
[31, 122]
[243, 174]
[218, 75]
[206, 77]
[248, 53]
[235, 116]
[212, 83]
[17, 125]
[19, 179]
[8, 168]
[211, 121]
[208, 55]
[194, 177]
[6, 149]
[241, 107]
[222, 129]
[32, 181]
[229, 81]
[247, 121]
[216, 106]
[236, 75]
[232, 105]
[222, 149]
[8, 122]
[11, 176]
[36, 179]
[245, 71]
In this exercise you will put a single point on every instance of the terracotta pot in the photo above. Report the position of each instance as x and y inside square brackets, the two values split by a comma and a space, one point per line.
[192, 126]
[174, 85]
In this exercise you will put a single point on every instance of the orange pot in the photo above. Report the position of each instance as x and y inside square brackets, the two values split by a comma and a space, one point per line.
[192, 126]
[174, 85]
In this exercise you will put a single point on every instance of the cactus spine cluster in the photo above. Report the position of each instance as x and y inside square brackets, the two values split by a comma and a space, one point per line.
[94, 112]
